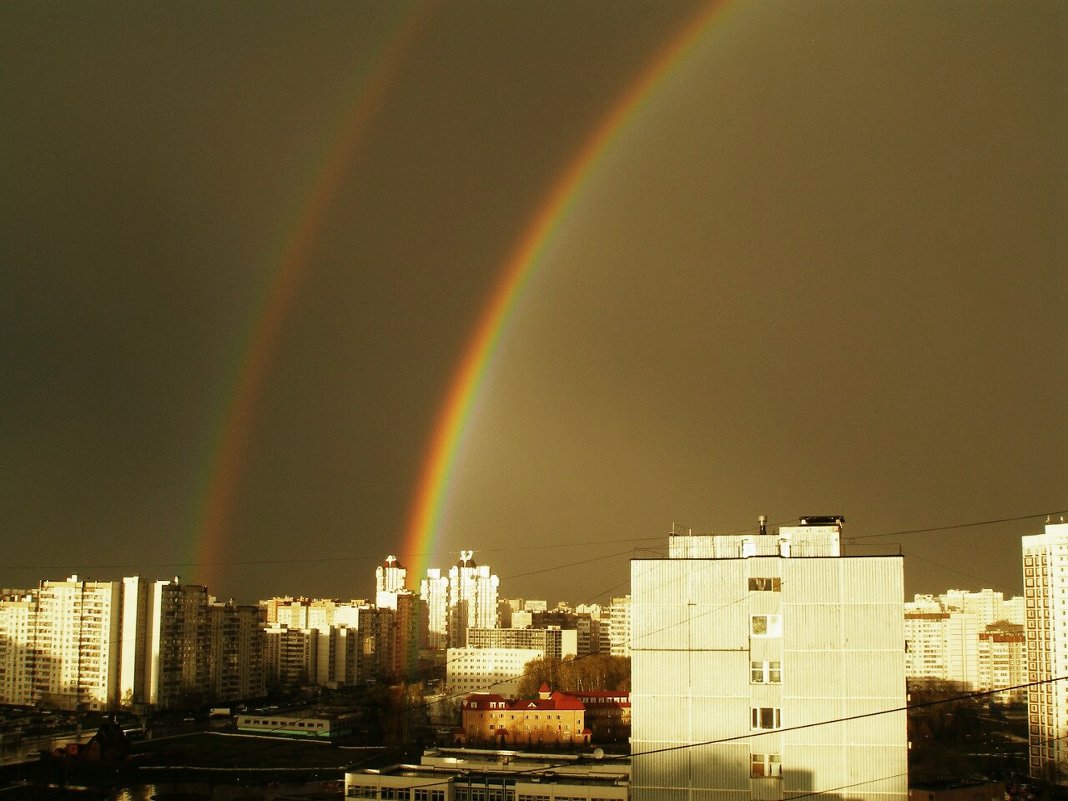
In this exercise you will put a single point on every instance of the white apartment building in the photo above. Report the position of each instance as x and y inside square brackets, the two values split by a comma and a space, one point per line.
[434, 592]
[391, 578]
[1045, 568]
[466, 598]
[18, 621]
[767, 667]
[1003, 660]
[60, 645]
[972, 638]
[988, 606]
[553, 642]
[472, 598]
[77, 643]
[619, 626]
[486, 670]
[108, 644]
[942, 646]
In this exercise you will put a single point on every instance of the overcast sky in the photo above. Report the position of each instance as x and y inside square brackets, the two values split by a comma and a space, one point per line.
[821, 270]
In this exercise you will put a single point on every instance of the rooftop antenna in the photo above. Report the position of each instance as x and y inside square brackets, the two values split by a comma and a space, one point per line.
[763, 520]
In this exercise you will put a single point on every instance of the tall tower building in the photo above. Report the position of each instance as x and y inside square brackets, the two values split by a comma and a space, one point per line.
[766, 667]
[18, 627]
[236, 652]
[466, 598]
[619, 626]
[434, 591]
[1045, 567]
[391, 578]
[178, 639]
[472, 599]
[77, 643]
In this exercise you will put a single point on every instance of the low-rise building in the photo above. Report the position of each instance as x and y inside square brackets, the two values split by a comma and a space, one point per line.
[552, 719]
[607, 715]
[471, 775]
[315, 724]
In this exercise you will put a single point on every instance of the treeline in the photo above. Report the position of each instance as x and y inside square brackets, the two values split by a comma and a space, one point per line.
[574, 675]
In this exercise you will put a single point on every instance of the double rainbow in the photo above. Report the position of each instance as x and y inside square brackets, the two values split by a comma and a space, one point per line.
[432, 491]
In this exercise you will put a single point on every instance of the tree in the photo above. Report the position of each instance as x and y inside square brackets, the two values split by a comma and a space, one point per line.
[597, 672]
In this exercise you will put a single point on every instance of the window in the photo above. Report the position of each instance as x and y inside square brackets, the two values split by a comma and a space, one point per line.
[766, 717]
[766, 625]
[766, 672]
[766, 765]
[770, 584]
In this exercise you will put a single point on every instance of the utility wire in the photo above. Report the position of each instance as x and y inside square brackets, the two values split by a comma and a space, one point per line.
[814, 724]
[905, 532]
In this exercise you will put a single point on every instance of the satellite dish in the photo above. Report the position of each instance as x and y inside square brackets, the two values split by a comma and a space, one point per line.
[598, 753]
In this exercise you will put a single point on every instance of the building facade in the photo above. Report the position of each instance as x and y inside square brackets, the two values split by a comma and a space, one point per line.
[941, 647]
[619, 626]
[767, 667]
[552, 719]
[469, 775]
[60, 645]
[553, 643]
[1045, 569]
[472, 598]
[178, 661]
[493, 670]
[391, 578]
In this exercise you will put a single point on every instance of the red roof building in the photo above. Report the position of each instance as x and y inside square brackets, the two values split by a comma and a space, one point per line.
[552, 719]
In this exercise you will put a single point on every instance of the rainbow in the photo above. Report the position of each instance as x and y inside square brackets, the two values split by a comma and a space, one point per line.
[237, 418]
[456, 413]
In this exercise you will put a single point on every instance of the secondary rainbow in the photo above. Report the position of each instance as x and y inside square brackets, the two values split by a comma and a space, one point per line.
[237, 415]
[432, 491]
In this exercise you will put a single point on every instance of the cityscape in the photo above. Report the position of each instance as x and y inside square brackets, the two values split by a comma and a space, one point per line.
[761, 665]
[356, 358]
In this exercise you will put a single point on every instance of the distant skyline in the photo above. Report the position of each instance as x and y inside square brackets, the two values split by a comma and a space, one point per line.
[817, 267]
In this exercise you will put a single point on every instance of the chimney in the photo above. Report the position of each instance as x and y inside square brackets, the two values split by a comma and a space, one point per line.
[763, 520]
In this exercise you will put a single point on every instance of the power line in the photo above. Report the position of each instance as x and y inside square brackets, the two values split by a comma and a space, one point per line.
[951, 527]
[844, 719]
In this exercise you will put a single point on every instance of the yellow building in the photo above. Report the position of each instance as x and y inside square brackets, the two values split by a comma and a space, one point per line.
[551, 719]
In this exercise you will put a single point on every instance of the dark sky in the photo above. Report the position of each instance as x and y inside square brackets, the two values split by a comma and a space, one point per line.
[821, 270]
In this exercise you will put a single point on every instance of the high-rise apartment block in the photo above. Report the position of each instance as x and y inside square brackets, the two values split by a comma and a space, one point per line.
[60, 645]
[973, 639]
[1045, 569]
[434, 592]
[472, 598]
[18, 619]
[236, 652]
[391, 578]
[767, 667]
[942, 646]
[466, 598]
[619, 626]
[102, 645]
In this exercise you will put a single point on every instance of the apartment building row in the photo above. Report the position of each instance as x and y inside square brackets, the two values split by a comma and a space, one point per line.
[98, 645]
[331, 643]
[972, 639]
